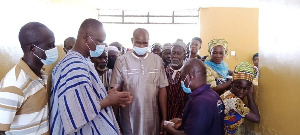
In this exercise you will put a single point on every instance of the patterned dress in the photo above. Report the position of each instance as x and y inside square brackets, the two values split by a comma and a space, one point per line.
[176, 97]
[235, 111]
[216, 74]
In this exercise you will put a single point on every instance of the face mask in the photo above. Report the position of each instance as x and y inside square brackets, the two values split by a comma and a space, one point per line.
[186, 89]
[111, 63]
[51, 55]
[140, 51]
[99, 49]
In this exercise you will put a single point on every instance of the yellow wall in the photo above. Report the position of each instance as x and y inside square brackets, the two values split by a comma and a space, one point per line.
[239, 26]
[279, 83]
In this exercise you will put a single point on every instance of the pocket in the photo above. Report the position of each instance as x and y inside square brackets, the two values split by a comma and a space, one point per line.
[153, 75]
[131, 76]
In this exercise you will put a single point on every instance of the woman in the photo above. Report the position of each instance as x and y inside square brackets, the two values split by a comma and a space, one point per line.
[235, 109]
[217, 72]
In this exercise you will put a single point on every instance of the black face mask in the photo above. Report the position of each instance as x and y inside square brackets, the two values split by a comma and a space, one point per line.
[111, 63]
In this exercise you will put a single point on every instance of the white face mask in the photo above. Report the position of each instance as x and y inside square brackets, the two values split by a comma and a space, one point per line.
[140, 51]
[99, 49]
[51, 55]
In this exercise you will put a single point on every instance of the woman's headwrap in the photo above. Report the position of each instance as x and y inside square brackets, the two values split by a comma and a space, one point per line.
[245, 71]
[215, 42]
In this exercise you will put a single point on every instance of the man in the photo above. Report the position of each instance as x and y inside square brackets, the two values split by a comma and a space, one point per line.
[204, 112]
[119, 46]
[156, 49]
[194, 47]
[255, 59]
[113, 54]
[23, 94]
[235, 109]
[166, 54]
[79, 101]
[69, 43]
[175, 97]
[142, 74]
[100, 64]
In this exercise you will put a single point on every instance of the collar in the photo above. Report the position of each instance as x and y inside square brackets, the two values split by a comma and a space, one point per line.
[176, 70]
[139, 57]
[30, 73]
[199, 90]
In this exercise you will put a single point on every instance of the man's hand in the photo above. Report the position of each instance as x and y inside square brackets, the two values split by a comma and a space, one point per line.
[115, 97]
[177, 122]
[169, 128]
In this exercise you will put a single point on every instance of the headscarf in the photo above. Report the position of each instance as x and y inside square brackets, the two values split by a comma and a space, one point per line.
[215, 42]
[180, 43]
[245, 71]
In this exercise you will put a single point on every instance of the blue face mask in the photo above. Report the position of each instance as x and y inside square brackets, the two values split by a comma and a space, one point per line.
[184, 88]
[99, 49]
[51, 55]
[140, 51]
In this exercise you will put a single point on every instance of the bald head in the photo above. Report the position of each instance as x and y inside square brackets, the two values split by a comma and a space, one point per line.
[140, 38]
[69, 43]
[140, 31]
[197, 68]
[89, 26]
[90, 34]
[33, 33]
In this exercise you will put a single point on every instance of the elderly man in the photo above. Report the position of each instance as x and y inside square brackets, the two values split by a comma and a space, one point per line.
[156, 49]
[166, 54]
[175, 98]
[142, 74]
[23, 94]
[79, 101]
[69, 43]
[100, 64]
[204, 112]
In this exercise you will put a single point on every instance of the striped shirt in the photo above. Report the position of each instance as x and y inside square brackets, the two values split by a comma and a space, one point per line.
[176, 97]
[23, 102]
[75, 99]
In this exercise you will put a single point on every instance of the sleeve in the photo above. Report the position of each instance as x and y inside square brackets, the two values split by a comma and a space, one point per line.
[11, 98]
[241, 108]
[116, 77]
[78, 100]
[210, 78]
[199, 119]
[163, 81]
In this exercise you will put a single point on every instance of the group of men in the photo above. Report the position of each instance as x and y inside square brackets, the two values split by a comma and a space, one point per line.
[96, 90]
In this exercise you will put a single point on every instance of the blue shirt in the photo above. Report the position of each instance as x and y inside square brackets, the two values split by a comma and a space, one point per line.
[204, 113]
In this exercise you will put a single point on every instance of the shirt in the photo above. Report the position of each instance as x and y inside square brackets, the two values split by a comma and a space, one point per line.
[142, 77]
[176, 97]
[24, 101]
[204, 113]
[75, 99]
[235, 111]
[105, 78]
